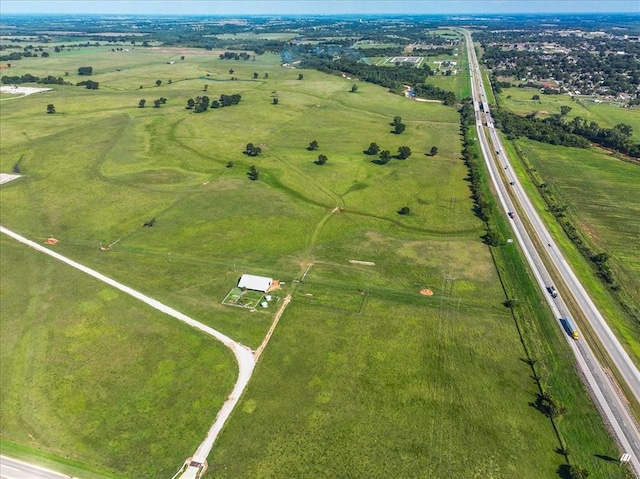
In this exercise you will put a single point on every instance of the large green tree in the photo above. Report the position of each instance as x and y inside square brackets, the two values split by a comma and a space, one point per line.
[253, 173]
[322, 159]
[399, 128]
[373, 149]
[385, 157]
[404, 152]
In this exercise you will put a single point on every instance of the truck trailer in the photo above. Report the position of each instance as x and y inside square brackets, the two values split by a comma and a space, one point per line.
[568, 326]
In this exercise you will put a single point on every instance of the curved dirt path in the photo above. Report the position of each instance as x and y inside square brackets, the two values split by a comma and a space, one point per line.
[244, 355]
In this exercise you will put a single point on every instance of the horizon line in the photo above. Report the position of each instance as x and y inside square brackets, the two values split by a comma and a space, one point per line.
[550, 14]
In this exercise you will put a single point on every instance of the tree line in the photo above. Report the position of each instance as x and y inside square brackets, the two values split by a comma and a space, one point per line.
[28, 78]
[234, 56]
[577, 132]
[482, 207]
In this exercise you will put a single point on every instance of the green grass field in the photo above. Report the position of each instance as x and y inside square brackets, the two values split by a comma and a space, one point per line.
[363, 377]
[92, 375]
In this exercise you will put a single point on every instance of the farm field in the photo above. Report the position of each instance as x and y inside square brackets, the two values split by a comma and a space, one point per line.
[607, 216]
[381, 395]
[364, 375]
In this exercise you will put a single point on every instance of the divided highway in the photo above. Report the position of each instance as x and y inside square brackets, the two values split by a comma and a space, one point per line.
[510, 193]
[14, 469]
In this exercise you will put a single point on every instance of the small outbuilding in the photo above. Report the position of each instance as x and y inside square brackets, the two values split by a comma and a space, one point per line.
[255, 283]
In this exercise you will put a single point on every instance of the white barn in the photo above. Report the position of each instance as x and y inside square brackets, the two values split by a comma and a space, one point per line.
[255, 283]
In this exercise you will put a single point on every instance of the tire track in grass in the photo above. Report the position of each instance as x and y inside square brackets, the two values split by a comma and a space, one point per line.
[244, 355]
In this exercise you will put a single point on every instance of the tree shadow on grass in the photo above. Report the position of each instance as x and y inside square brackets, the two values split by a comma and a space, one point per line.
[540, 405]
[563, 472]
[605, 458]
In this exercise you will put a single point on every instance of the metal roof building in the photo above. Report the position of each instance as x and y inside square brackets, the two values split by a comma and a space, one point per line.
[255, 283]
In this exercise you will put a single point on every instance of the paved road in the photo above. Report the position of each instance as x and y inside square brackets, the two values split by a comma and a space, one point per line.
[509, 190]
[244, 355]
[14, 469]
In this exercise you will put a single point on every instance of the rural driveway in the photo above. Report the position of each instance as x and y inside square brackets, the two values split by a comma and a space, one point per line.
[244, 355]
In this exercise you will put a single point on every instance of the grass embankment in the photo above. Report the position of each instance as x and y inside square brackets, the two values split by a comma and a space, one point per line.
[100, 167]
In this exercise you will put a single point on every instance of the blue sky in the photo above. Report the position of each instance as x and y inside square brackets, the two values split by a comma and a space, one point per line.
[315, 7]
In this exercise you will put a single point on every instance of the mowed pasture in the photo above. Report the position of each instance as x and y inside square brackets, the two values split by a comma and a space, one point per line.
[363, 373]
[397, 387]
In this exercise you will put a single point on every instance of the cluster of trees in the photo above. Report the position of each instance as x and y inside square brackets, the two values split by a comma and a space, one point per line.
[202, 103]
[235, 56]
[159, 101]
[91, 85]
[28, 78]
[252, 150]
[618, 138]
[228, 100]
[85, 71]
[424, 90]
[384, 156]
[17, 56]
